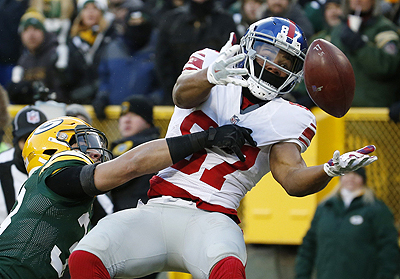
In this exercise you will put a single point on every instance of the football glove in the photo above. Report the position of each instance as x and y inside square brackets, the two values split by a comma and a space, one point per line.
[230, 137]
[352, 40]
[350, 161]
[222, 70]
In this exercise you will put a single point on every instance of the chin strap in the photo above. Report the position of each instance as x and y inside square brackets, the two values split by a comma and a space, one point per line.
[259, 92]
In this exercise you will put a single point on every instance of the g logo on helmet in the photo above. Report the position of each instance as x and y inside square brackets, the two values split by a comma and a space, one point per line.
[47, 126]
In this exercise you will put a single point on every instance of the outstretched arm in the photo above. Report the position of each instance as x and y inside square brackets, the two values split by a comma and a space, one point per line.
[149, 157]
[289, 169]
[158, 154]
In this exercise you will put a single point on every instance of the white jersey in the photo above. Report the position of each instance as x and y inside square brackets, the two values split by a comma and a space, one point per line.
[216, 180]
[174, 235]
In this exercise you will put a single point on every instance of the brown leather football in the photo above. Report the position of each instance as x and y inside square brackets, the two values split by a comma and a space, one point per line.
[329, 78]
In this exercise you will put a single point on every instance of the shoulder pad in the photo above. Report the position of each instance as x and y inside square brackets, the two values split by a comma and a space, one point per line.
[65, 156]
[201, 59]
[295, 122]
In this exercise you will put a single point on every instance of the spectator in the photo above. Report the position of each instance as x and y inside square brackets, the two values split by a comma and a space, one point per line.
[313, 11]
[164, 6]
[12, 169]
[127, 65]
[120, 8]
[196, 25]
[136, 127]
[249, 12]
[79, 111]
[91, 31]
[352, 235]
[58, 16]
[11, 45]
[292, 10]
[36, 66]
[332, 16]
[4, 117]
[373, 50]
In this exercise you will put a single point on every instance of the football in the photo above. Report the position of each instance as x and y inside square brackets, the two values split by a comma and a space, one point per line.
[329, 78]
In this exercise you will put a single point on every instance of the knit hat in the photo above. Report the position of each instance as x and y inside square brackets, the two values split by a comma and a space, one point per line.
[129, 4]
[140, 105]
[339, 2]
[77, 110]
[27, 120]
[32, 18]
[362, 173]
[102, 5]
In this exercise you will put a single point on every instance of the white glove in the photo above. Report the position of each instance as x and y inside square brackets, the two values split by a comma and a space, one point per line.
[350, 161]
[222, 70]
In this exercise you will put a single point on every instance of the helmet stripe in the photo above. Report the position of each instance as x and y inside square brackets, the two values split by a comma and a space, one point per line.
[292, 29]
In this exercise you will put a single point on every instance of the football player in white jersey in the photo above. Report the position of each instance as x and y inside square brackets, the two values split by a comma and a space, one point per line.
[190, 221]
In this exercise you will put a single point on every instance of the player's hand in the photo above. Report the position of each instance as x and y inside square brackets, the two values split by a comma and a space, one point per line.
[350, 161]
[231, 137]
[222, 70]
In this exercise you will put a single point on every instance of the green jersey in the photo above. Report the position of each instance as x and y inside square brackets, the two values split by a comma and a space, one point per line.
[43, 228]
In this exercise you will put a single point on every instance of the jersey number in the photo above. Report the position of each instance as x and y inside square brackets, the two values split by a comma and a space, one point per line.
[215, 176]
[56, 261]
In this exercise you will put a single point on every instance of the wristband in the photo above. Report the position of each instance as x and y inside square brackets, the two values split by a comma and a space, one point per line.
[87, 180]
[182, 146]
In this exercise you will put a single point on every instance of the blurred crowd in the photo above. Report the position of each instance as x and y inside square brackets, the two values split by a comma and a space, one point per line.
[100, 52]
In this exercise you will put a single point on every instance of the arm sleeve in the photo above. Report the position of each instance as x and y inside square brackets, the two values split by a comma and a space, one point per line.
[67, 183]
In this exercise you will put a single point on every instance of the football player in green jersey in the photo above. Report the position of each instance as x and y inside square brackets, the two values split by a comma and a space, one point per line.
[68, 163]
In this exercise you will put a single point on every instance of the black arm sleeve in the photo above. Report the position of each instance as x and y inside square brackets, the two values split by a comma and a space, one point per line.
[182, 146]
[67, 183]
[74, 182]
[87, 180]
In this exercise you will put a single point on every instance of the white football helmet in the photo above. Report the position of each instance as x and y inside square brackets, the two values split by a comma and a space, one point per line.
[266, 42]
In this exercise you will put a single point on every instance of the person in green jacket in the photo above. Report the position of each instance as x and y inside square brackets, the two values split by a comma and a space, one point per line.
[332, 12]
[372, 47]
[352, 235]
